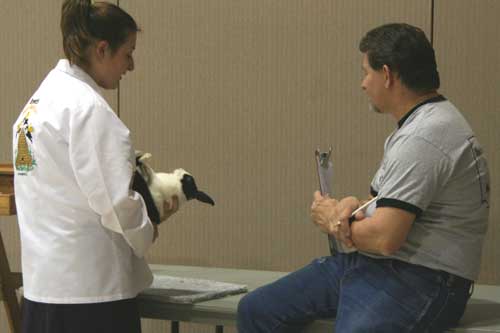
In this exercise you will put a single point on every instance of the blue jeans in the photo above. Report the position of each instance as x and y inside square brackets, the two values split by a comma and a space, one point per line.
[364, 294]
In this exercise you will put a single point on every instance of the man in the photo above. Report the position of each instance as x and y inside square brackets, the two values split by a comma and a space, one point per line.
[419, 246]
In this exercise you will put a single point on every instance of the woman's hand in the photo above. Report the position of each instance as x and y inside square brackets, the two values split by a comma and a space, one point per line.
[169, 208]
[155, 232]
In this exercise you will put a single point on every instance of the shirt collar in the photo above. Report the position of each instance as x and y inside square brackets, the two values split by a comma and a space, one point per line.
[435, 99]
[77, 72]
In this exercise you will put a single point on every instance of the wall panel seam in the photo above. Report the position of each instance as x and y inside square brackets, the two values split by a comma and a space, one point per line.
[432, 23]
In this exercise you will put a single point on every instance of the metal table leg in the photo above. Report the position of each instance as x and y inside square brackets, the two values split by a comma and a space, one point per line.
[174, 327]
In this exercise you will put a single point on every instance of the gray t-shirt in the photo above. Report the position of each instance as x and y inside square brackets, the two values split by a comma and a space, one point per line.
[433, 166]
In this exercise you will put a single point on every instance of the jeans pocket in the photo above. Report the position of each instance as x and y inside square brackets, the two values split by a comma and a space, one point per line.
[445, 311]
[376, 297]
[415, 287]
[427, 279]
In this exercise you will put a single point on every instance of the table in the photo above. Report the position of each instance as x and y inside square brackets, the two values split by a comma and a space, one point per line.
[482, 314]
[218, 312]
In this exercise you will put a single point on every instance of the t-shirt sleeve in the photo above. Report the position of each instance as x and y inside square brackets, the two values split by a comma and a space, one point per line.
[412, 172]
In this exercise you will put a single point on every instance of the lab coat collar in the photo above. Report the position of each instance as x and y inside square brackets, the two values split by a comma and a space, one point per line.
[77, 72]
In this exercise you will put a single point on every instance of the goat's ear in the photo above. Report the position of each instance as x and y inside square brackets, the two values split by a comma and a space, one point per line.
[203, 197]
[141, 156]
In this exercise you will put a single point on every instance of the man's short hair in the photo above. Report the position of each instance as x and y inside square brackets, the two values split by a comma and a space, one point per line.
[406, 51]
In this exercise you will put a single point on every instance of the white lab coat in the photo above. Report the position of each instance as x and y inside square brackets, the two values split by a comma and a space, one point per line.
[84, 233]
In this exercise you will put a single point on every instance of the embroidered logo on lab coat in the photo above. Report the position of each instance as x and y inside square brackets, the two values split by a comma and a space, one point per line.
[25, 157]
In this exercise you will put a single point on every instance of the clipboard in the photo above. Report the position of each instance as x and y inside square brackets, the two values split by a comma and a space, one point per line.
[324, 168]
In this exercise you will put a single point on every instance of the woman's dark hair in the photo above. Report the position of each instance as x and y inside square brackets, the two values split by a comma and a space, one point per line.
[82, 23]
[405, 50]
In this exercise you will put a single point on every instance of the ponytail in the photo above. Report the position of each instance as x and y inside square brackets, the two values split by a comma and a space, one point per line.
[75, 19]
[82, 23]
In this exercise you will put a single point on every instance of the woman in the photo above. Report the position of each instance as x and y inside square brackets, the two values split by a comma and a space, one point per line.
[84, 233]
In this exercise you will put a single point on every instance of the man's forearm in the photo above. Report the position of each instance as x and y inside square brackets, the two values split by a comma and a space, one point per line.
[384, 232]
[365, 235]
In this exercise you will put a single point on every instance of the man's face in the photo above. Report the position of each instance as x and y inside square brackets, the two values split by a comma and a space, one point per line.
[373, 85]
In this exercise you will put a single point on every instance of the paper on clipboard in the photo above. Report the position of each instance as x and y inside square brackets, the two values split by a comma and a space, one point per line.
[325, 175]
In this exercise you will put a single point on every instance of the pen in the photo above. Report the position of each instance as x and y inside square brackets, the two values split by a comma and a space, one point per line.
[360, 208]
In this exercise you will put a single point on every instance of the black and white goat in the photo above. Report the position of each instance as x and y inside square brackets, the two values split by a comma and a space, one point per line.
[163, 186]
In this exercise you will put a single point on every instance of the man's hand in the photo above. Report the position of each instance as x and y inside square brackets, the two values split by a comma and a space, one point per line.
[323, 210]
[332, 216]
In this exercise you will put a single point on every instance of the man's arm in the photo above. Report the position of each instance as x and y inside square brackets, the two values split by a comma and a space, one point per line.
[384, 232]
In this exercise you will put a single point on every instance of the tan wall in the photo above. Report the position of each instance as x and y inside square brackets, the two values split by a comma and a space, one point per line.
[240, 93]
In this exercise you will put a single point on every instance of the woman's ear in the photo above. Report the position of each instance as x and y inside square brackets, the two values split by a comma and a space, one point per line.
[101, 47]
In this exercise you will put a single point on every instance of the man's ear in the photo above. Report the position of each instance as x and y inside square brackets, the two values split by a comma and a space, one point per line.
[389, 76]
[101, 47]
